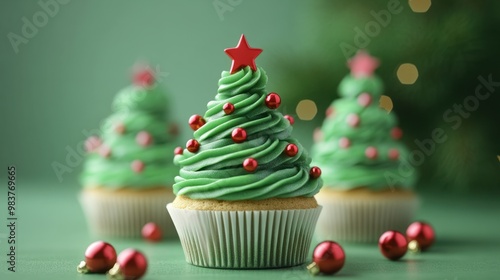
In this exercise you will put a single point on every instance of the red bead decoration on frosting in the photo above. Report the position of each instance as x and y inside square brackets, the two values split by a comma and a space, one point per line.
[178, 151]
[290, 119]
[393, 154]
[105, 151]
[239, 135]
[329, 112]
[228, 108]
[291, 150]
[92, 143]
[151, 232]
[353, 120]
[371, 152]
[192, 145]
[273, 100]
[393, 245]
[396, 133]
[364, 99]
[344, 142]
[144, 77]
[250, 164]
[196, 121]
[144, 138]
[137, 166]
[119, 128]
[318, 134]
[315, 172]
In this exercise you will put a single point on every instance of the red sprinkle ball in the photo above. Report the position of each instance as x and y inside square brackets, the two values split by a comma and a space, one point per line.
[290, 119]
[273, 100]
[353, 120]
[344, 142]
[196, 121]
[393, 154]
[144, 138]
[329, 112]
[371, 152]
[364, 99]
[105, 151]
[192, 145]
[250, 164]
[178, 151]
[144, 78]
[137, 166]
[228, 108]
[315, 172]
[396, 133]
[291, 150]
[239, 135]
[119, 128]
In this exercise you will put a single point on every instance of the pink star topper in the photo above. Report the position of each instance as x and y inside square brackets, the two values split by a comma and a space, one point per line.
[362, 64]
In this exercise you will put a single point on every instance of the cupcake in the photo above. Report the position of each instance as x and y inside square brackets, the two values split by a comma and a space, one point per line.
[245, 191]
[128, 173]
[368, 180]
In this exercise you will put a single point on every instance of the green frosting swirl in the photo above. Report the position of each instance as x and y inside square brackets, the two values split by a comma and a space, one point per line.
[347, 168]
[137, 109]
[215, 171]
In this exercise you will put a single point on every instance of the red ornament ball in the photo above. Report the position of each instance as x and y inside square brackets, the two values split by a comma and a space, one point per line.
[100, 257]
[144, 78]
[393, 154]
[364, 99]
[371, 152]
[196, 121]
[393, 244]
[137, 166]
[291, 150]
[151, 232]
[178, 151]
[396, 133]
[228, 108]
[353, 120]
[92, 143]
[250, 164]
[132, 263]
[329, 257]
[290, 119]
[192, 145]
[239, 135]
[315, 172]
[421, 232]
[344, 142]
[273, 100]
[144, 138]
[119, 128]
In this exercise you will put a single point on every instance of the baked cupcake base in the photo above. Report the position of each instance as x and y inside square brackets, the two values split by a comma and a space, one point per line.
[362, 215]
[123, 212]
[227, 234]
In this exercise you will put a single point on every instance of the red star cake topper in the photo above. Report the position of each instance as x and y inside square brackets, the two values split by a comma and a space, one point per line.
[362, 64]
[243, 55]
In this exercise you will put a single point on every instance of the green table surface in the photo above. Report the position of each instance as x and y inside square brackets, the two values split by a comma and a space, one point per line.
[52, 237]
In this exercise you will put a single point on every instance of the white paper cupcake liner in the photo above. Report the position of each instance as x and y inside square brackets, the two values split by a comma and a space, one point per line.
[363, 220]
[245, 239]
[124, 215]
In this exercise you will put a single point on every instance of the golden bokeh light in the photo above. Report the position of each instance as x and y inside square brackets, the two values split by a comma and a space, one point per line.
[306, 110]
[385, 102]
[407, 73]
[419, 6]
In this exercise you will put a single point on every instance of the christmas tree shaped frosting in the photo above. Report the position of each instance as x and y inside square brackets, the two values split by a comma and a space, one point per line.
[242, 148]
[358, 144]
[134, 148]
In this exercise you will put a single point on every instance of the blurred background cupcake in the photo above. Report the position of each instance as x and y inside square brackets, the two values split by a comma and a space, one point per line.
[368, 179]
[128, 173]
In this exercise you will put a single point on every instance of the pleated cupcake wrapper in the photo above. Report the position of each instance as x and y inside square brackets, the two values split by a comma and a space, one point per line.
[125, 215]
[245, 239]
[363, 220]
